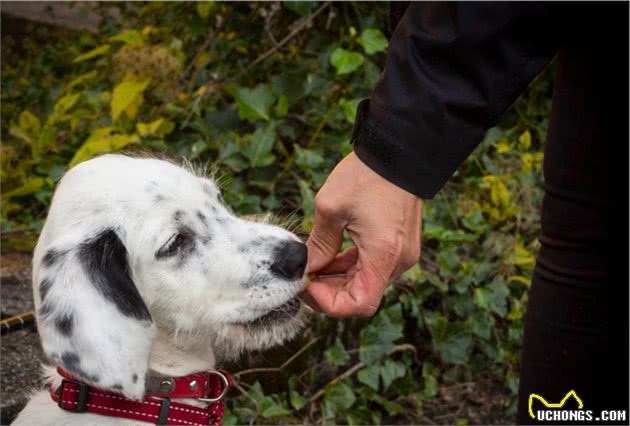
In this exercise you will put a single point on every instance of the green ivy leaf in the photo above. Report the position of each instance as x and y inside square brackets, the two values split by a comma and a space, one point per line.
[254, 104]
[258, 146]
[451, 339]
[492, 298]
[373, 41]
[481, 324]
[297, 400]
[345, 61]
[282, 107]
[336, 354]
[307, 159]
[349, 108]
[370, 376]
[392, 370]
[270, 408]
[378, 337]
[429, 373]
[340, 396]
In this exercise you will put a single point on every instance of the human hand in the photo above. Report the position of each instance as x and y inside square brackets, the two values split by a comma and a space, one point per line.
[384, 223]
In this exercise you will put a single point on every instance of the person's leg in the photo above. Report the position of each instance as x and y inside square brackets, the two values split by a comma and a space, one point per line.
[576, 327]
[576, 331]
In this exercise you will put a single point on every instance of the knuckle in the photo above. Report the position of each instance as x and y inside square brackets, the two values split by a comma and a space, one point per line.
[368, 311]
[392, 248]
[411, 258]
[325, 206]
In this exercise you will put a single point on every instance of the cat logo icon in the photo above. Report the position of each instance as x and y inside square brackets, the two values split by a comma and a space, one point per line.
[560, 404]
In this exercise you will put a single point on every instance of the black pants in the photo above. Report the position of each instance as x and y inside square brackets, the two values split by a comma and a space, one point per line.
[576, 329]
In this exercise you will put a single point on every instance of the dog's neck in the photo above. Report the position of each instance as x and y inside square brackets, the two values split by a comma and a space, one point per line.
[181, 359]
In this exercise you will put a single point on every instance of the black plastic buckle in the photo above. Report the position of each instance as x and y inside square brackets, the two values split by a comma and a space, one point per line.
[81, 399]
[164, 408]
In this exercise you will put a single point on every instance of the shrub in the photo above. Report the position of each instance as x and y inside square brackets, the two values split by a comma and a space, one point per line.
[268, 92]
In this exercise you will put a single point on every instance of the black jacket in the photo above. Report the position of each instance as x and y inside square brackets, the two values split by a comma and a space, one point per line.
[453, 68]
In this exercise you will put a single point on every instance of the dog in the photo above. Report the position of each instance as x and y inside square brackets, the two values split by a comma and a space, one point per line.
[142, 269]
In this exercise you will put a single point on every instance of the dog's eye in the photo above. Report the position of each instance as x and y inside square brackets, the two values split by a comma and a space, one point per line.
[172, 246]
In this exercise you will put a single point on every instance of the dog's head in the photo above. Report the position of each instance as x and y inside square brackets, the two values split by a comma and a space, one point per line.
[135, 244]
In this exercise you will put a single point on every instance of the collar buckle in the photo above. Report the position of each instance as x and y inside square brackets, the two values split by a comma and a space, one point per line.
[81, 401]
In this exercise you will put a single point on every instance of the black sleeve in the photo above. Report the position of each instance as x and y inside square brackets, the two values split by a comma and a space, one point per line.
[452, 69]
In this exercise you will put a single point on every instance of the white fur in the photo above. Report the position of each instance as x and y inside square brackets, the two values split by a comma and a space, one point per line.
[201, 304]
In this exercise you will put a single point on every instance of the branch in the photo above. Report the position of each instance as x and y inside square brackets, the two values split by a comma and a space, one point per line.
[284, 364]
[211, 36]
[299, 27]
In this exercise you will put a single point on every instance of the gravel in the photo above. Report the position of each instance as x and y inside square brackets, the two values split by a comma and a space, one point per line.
[20, 352]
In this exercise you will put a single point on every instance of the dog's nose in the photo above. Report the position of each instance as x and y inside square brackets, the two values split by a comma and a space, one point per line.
[289, 260]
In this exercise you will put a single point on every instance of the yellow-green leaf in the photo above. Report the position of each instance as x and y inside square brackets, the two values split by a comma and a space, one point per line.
[101, 141]
[80, 80]
[98, 51]
[504, 146]
[127, 97]
[521, 279]
[525, 140]
[131, 37]
[64, 103]
[29, 123]
[521, 257]
[145, 129]
[30, 186]
[204, 8]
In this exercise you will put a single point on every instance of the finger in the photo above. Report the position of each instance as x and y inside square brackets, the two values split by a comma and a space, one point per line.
[359, 297]
[341, 263]
[324, 242]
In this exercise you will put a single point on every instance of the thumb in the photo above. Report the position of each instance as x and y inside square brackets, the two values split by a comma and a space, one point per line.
[324, 242]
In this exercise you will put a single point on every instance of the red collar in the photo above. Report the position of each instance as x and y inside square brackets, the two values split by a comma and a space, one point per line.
[156, 407]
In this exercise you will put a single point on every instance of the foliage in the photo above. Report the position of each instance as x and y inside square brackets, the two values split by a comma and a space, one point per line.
[268, 92]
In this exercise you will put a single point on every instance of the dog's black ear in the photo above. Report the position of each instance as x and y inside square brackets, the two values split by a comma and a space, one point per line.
[92, 318]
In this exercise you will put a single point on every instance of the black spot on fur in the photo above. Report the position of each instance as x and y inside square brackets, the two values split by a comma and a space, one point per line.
[44, 286]
[51, 257]
[117, 386]
[72, 363]
[134, 378]
[177, 216]
[202, 218]
[158, 198]
[65, 324]
[104, 260]
[45, 309]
